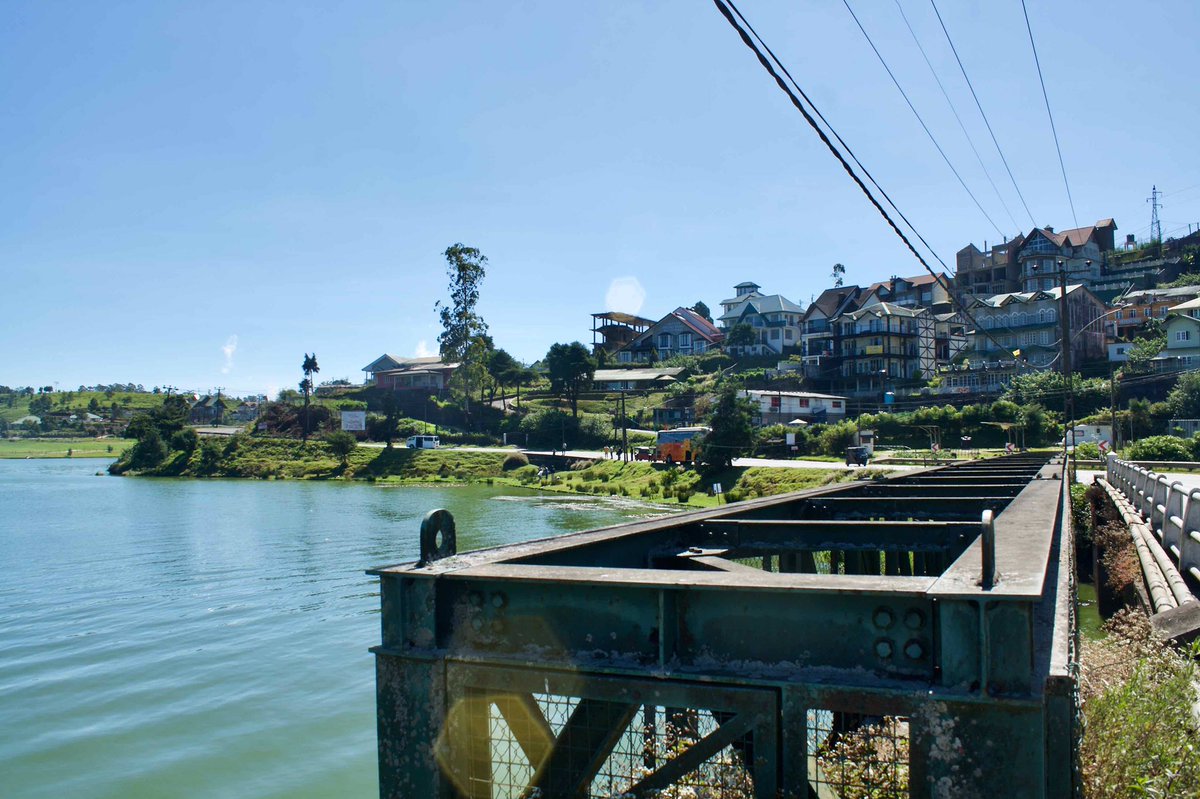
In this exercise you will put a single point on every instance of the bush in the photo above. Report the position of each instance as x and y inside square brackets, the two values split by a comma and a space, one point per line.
[1087, 451]
[1160, 448]
[209, 457]
[515, 460]
[341, 444]
[185, 440]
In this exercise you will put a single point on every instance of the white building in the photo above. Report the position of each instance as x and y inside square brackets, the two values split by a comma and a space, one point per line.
[781, 407]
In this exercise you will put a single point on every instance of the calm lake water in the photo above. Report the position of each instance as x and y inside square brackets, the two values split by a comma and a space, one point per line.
[209, 637]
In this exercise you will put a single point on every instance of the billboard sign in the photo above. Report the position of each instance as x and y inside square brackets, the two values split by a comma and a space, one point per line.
[354, 421]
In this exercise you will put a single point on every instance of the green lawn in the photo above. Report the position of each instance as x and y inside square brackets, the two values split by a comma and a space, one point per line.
[78, 402]
[58, 447]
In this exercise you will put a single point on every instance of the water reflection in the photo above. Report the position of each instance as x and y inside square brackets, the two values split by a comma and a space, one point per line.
[209, 637]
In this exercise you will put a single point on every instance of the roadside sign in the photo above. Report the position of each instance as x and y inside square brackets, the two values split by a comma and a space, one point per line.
[354, 421]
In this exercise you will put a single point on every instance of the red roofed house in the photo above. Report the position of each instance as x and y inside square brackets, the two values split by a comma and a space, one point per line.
[1082, 250]
[681, 332]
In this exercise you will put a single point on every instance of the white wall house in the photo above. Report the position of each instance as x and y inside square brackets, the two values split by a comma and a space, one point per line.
[781, 407]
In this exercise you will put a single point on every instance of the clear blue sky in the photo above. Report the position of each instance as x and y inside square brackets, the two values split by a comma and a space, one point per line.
[198, 193]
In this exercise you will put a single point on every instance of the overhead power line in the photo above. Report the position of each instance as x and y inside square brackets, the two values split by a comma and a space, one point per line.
[728, 9]
[979, 105]
[954, 110]
[925, 127]
[1053, 130]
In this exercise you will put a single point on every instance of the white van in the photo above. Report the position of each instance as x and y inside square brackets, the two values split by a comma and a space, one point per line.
[423, 442]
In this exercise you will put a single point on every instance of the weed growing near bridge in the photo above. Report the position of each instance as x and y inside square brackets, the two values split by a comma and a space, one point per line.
[1141, 737]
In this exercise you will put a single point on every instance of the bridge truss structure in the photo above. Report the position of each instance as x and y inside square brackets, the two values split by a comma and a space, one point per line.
[913, 637]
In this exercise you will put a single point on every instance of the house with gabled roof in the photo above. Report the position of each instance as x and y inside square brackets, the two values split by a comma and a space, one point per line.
[209, 409]
[883, 343]
[1183, 335]
[1082, 251]
[1027, 322]
[427, 373]
[774, 318]
[681, 332]
[818, 345]
[921, 291]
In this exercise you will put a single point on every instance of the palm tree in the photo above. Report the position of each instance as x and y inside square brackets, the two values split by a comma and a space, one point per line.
[310, 368]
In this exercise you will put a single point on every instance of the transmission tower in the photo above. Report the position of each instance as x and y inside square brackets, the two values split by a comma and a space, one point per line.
[1155, 226]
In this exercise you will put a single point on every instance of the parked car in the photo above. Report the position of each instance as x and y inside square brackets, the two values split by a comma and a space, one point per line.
[423, 442]
[857, 456]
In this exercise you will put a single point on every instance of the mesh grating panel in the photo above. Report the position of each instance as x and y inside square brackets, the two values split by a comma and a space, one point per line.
[637, 741]
[855, 757]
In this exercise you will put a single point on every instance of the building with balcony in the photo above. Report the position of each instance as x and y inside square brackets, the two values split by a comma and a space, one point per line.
[1082, 251]
[881, 344]
[1135, 308]
[774, 318]
[1025, 326]
[426, 374]
[681, 332]
[922, 291]
[818, 335]
[613, 330]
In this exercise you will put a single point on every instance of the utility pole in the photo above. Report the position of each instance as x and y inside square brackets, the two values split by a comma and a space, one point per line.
[624, 429]
[1068, 421]
[1112, 405]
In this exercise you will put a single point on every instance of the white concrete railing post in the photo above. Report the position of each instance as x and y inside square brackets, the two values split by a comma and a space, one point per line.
[1172, 519]
[1189, 543]
[1158, 504]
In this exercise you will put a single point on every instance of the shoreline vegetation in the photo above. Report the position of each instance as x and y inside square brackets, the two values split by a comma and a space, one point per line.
[288, 459]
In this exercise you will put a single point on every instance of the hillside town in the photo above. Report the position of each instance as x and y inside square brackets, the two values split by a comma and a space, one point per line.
[897, 347]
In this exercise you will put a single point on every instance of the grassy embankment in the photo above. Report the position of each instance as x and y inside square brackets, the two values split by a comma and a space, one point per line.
[677, 485]
[63, 447]
[242, 456]
[288, 459]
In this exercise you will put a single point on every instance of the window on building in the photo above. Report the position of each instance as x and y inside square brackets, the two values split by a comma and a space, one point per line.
[664, 341]
[685, 340]
[1118, 315]
[774, 333]
[788, 334]
[838, 403]
[1162, 311]
[1145, 313]
[802, 401]
[1183, 335]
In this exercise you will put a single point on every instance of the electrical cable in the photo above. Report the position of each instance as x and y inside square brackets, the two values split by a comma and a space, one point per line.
[979, 105]
[1046, 97]
[725, 6]
[954, 110]
[925, 127]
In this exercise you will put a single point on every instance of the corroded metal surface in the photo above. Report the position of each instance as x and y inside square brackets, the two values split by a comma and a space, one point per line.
[778, 643]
